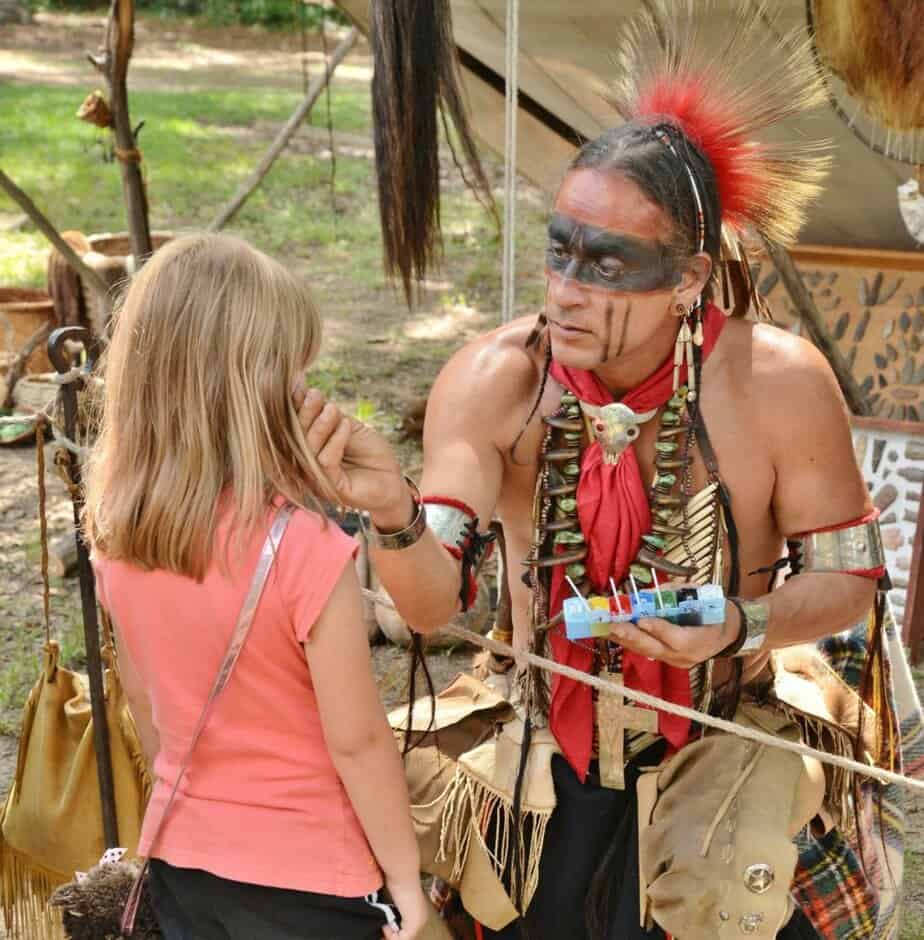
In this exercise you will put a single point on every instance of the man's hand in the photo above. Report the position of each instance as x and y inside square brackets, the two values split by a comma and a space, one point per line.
[682, 647]
[357, 460]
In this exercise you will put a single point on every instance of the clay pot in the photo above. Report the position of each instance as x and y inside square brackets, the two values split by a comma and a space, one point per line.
[22, 311]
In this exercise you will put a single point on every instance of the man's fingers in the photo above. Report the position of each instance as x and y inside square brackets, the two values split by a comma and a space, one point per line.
[330, 456]
[640, 641]
[326, 421]
[310, 403]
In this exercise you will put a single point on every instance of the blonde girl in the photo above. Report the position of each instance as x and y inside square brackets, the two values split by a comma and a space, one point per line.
[293, 811]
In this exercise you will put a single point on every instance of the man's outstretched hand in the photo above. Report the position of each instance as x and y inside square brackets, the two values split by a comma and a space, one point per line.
[358, 461]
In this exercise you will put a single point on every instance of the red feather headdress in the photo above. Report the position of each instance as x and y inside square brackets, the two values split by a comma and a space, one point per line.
[724, 83]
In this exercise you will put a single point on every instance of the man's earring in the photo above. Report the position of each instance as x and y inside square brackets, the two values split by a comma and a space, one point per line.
[683, 350]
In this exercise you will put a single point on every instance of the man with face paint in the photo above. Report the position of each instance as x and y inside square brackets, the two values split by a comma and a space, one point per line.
[725, 420]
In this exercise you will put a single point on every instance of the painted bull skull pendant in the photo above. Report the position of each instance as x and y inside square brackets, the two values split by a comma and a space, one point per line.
[615, 426]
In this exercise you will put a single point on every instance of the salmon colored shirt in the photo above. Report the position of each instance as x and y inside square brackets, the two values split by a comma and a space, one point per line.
[261, 801]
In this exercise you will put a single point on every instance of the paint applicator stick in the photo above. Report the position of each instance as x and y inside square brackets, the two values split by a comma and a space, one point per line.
[578, 593]
[657, 586]
[634, 588]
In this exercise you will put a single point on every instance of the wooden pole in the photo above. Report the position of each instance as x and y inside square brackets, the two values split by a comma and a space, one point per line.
[92, 279]
[284, 136]
[914, 601]
[61, 360]
[816, 326]
[113, 66]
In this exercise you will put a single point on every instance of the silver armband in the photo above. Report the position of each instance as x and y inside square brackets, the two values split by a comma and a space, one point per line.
[448, 523]
[754, 619]
[854, 548]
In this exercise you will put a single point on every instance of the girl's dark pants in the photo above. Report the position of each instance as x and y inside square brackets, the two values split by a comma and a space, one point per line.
[197, 905]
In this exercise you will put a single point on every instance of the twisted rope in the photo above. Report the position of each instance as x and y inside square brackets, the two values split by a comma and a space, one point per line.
[524, 658]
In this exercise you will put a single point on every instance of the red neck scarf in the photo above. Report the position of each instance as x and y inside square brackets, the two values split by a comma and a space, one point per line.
[614, 514]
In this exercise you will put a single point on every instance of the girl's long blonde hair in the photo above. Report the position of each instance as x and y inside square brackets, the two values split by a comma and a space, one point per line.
[210, 342]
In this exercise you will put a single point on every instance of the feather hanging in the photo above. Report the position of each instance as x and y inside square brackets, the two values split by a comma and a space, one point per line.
[725, 88]
[415, 84]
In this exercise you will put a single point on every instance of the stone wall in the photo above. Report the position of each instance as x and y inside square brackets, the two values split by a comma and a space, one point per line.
[873, 305]
[892, 462]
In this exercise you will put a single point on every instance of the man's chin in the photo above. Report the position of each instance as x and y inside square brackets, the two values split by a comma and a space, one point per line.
[572, 358]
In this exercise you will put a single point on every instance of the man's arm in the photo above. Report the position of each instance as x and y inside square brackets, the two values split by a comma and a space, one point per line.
[470, 409]
[818, 484]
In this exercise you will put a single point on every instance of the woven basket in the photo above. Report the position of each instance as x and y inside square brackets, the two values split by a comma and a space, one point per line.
[22, 311]
[118, 244]
[34, 392]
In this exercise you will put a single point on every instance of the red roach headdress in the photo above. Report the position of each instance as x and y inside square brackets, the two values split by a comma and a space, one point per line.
[724, 78]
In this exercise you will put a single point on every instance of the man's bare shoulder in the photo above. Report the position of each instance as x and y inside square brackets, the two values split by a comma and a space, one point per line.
[494, 374]
[776, 364]
[784, 381]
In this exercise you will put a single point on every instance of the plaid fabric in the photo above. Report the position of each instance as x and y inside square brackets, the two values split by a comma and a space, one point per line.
[847, 897]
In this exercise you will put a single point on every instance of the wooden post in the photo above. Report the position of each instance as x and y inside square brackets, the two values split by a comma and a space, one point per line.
[112, 64]
[815, 324]
[285, 134]
[914, 602]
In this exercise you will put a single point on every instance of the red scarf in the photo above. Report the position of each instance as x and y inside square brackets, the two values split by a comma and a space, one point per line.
[614, 514]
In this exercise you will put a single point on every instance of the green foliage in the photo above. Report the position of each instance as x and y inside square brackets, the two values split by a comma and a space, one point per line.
[272, 14]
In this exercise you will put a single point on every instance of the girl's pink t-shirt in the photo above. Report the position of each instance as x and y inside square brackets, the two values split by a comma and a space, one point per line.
[261, 801]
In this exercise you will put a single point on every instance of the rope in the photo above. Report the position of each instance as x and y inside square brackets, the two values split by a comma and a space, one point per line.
[62, 441]
[524, 658]
[511, 88]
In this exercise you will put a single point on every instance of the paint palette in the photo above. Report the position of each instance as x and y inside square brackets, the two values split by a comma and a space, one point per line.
[687, 607]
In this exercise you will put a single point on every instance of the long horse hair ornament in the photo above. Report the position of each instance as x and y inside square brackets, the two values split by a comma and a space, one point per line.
[416, 86]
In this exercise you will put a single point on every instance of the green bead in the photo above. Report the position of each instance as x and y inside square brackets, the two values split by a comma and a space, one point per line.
[569, 538]
[676, 403]
[567, 504]
[575, 571]
[655, 541]
[666, 447]
[571, 469]
[670, 419]
[640, 573]
[666, 480]
[568, 398]
[573, 437]
[665, 515]
[574, 411]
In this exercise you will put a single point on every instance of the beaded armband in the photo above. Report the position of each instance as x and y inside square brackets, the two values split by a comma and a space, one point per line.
[853, 547]
[456, 526]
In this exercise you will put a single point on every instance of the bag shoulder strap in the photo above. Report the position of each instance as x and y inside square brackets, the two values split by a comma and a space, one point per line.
[235, 645]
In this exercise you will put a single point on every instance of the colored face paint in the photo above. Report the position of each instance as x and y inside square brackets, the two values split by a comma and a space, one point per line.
[607, 260]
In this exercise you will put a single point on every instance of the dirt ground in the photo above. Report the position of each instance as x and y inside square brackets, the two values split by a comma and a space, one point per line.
[181, 56]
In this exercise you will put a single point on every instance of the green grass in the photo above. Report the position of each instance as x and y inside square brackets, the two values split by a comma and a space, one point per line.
[197, 150]
[913, 921]
[22, 663]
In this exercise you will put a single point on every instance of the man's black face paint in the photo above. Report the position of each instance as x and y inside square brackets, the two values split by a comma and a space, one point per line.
[607, 260]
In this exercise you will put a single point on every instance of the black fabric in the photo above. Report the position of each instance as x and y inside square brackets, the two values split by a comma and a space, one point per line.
[590, 822]
[593, 837]
[196, 905]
